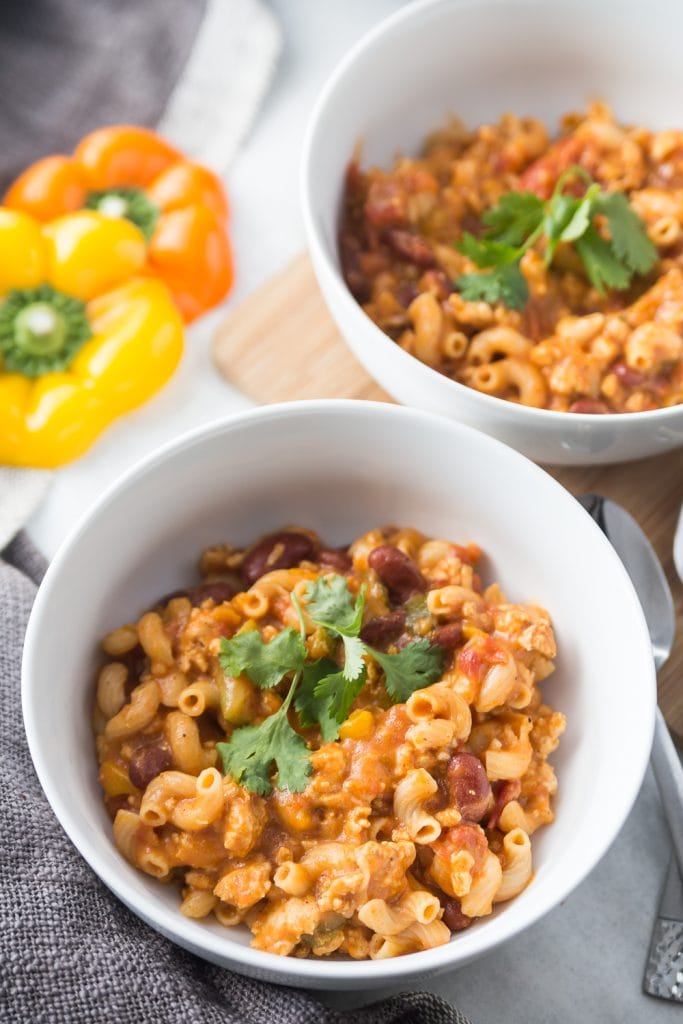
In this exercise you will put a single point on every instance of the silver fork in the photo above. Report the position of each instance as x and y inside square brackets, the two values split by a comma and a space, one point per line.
[664, 970]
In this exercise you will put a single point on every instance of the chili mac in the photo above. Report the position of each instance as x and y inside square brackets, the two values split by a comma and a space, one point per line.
[573, 346]
[410, 802]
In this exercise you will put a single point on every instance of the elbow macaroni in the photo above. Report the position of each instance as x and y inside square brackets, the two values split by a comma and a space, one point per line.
[393, 830]
[516, 865]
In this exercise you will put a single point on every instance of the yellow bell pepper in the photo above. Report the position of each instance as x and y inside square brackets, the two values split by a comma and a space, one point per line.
[83, 337]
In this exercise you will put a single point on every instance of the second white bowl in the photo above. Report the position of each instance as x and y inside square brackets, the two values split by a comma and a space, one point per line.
[478, 59]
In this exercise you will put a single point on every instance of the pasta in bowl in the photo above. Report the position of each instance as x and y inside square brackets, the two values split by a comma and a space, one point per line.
[364, 463]
[345, 749]
[568, 296]
[511, 272]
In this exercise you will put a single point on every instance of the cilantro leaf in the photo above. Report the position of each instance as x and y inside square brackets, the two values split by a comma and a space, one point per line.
[251, 751]
[568, 218]
[416, 666]
[326, 695]
[517, 215]
[519, 219]
[331, 604]
[354, 649]
[505, 284]
[305, 701]
[336, 695]
[266, 664]
[485, 253]
[581, 213]
[603, 268]
[627, 232]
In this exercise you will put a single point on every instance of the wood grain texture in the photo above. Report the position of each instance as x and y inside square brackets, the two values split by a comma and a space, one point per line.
[281, 343]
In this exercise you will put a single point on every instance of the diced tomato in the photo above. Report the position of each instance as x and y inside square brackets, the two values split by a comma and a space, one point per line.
[541, 175]
[462, 837]
[474, 659]
[471, 553]
[386, 203]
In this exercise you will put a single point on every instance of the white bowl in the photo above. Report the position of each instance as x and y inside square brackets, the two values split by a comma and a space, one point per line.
[480, 58]
[342, 467]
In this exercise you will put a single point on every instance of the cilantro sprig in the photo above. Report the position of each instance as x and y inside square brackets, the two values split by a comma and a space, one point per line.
[330, 605]
[252, 750]
[521, 219]
[321, 691]
[410, 669]
[266, 664]
[326, 696]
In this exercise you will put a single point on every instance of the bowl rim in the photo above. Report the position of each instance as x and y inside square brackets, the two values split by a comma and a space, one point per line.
[225, 950]
[528, 415]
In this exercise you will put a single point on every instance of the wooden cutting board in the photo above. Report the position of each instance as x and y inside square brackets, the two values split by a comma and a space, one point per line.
[281, 343]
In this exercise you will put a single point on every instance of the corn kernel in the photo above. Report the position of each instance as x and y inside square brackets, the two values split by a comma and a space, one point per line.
[357, 726]
[469, 631]
[115, 781]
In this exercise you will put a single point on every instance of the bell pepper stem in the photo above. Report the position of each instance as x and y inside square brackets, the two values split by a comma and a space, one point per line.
[39, 330]
[131, 203]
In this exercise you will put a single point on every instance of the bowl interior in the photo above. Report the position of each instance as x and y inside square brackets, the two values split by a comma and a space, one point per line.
[481, 59]
[341, 468]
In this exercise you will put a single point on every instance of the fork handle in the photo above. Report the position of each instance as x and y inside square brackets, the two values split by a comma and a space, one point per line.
[666, 765]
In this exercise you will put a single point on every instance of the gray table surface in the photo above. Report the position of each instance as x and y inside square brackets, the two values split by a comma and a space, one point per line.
[584, 961]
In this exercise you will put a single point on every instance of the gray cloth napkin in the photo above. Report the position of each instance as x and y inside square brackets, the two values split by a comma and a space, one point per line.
[71, 953]
[69, 66]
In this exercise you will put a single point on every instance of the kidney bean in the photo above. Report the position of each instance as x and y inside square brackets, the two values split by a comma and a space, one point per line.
[359, 284]
[397, 572]
[504, 793]
[335, 558]
[448, 636]
[468, 787]
[628, 377]
[383, 628]
[406, 292]
[147, 762]
[136, 662]
[218, 590]
[117, 803]
[282, 550]
[453, 916]
[410, 247]
[354, 179]
[591, 405]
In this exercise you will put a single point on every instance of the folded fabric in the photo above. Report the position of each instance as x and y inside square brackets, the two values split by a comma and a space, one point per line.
[195, 69]
[71, 953]
[67, 67]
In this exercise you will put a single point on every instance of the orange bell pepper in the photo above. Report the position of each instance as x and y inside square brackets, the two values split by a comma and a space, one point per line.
[125, 171]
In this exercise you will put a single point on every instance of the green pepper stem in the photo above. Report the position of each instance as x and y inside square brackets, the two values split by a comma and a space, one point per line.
[41, 330]
[130, 203]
